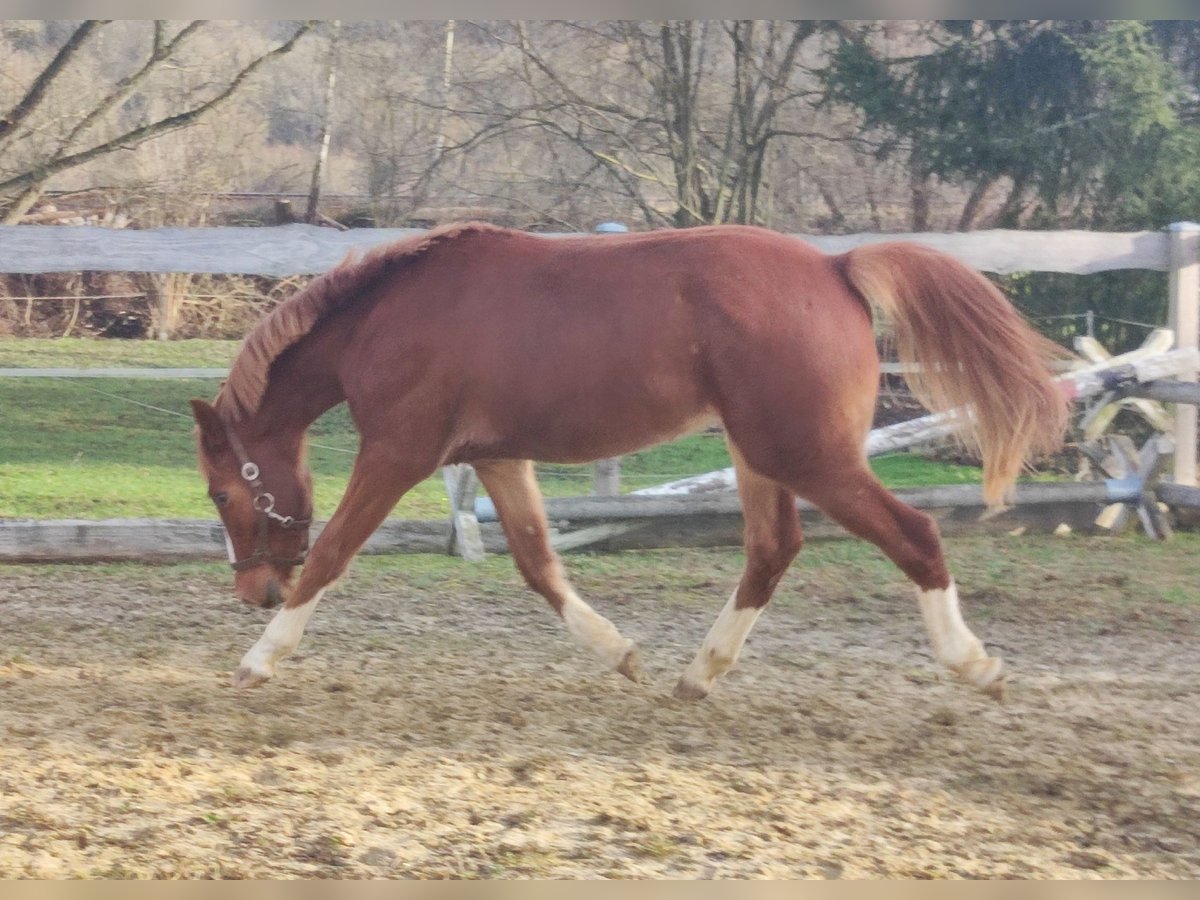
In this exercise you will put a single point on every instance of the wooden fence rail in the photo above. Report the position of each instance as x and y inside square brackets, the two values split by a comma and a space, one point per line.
[610, 523]
[307, 249]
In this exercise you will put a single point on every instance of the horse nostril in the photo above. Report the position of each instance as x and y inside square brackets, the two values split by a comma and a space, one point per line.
[274, 595]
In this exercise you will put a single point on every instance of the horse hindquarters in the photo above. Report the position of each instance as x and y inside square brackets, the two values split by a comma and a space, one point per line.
[798, 405]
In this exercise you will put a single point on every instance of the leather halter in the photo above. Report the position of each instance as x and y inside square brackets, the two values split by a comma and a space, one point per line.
[264, 505]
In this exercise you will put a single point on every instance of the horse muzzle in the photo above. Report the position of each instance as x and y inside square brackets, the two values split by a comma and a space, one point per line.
[264, 591]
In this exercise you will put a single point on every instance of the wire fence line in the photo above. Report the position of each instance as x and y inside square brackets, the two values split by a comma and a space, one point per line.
[187, 295]
[1095, 316]
[550, 469]
[120, 372]
[170, 412]
[143, 295]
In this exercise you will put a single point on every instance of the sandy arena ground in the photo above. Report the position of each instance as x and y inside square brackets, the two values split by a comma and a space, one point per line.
[439, 723]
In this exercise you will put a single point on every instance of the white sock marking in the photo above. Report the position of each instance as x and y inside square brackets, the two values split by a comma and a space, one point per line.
[952, 641]
[281, 637]
[723, 644]
[594, 631]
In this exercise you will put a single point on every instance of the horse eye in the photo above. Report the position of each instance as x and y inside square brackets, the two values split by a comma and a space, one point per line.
[220, 499]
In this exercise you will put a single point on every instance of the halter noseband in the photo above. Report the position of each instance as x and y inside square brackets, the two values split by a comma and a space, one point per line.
[264, 505]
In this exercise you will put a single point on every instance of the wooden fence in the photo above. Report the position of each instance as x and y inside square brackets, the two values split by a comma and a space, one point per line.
[302, 249]
[306, 249]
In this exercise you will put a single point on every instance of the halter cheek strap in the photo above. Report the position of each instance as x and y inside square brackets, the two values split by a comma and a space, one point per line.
[264, 505]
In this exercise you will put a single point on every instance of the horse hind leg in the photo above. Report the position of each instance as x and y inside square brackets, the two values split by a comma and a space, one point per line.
[514, 490]
[772, 539]
[910, 538]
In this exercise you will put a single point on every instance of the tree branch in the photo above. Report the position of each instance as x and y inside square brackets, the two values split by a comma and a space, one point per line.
[43, 172]
[37, 91]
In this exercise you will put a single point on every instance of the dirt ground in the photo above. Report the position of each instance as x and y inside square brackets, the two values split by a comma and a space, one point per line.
[438, 722]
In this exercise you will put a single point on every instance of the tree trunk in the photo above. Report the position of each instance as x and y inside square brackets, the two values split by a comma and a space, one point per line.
[1009, 214]
[447, 67]
[919, 189]
[974, 201]
[314, 191]
[837, 219]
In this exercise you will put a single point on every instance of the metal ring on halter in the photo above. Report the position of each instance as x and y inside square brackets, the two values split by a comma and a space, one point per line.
[264, 505]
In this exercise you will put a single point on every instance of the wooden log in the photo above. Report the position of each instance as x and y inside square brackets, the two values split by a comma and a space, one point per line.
[1102, 414]
[1183, 291]
[54, 216]
[30, 540]
[580, 510]
[1180, 495]
[592, 535]
[721, 481]
[1117, 457]
[1166, 391]
[1159, 341]
[164, 540]
[1150, 460]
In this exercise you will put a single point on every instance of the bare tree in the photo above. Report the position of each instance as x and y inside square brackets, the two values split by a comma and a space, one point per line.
[680, 115]
[66, 141]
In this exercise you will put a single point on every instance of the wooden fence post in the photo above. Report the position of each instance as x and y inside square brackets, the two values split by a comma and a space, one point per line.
[1183, 240]
[606, 477]
[606, 473]
[166, 292]
[461, 486]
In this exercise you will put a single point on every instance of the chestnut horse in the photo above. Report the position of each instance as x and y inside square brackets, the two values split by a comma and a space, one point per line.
[493, 347]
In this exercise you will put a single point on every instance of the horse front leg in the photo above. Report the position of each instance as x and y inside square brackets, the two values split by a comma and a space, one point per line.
[376, 484]
[513, 488]
[772, 540]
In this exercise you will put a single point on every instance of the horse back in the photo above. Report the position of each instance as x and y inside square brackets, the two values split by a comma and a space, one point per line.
[578, 347]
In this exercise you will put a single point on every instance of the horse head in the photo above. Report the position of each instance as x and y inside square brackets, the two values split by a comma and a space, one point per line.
[262, 490]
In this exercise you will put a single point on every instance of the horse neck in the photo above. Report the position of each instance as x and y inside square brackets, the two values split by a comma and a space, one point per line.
[302, 386]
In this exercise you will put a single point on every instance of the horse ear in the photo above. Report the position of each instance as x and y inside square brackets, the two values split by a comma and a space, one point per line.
[213, 436]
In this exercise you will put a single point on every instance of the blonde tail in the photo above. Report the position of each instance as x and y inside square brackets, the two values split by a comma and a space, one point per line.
[974, 351]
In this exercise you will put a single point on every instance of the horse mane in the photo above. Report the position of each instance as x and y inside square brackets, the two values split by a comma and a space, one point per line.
[242, 392]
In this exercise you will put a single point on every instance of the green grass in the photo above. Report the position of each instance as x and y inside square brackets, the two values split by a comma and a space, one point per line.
[85, 448]
[47, 353]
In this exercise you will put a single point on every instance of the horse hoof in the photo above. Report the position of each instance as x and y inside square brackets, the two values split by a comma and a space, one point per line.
[987, 674]
[631, 666]
[246, 677]
[689, 690]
